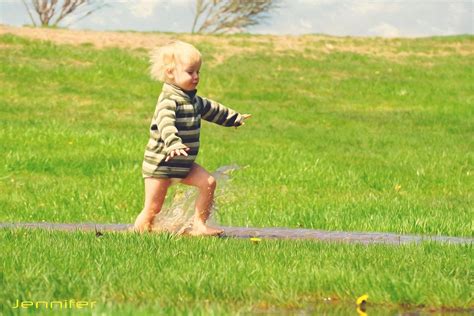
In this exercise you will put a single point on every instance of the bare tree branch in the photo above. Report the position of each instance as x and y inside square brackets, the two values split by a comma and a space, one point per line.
[29, 13]
[201, 7]
[225, 16]
[46, 10]
[68, 7]
[87, 14]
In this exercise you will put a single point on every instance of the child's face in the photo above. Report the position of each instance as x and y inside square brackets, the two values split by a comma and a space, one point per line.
[186, 74]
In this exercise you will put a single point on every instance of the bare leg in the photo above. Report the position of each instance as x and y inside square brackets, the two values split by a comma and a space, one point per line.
[155, 193]
[206, 183]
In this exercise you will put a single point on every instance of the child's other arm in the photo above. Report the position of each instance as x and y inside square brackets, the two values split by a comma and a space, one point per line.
[217, 113]
[166, 123]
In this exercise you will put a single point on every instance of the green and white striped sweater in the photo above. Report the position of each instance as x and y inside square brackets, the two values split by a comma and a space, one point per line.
[176, 124]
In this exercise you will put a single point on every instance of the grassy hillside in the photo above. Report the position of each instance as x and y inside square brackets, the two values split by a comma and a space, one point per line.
[346, 134]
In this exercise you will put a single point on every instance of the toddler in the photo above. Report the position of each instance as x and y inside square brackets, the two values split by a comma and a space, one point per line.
[174, 135]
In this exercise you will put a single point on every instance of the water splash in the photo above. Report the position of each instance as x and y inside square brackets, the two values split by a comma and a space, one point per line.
[179, 215]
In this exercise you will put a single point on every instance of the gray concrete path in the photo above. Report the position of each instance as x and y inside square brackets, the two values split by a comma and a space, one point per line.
[267, 233]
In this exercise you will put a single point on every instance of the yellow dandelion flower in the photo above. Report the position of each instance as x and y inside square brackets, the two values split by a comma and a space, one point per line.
[255, 240]
[361, 305]
[362, 299]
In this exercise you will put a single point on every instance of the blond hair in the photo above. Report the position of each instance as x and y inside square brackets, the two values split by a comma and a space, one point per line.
[167, 56]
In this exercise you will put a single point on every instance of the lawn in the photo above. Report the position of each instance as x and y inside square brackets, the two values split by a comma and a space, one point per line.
[354, 134]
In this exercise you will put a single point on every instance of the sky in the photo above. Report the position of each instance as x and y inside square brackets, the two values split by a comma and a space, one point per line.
[395, 18]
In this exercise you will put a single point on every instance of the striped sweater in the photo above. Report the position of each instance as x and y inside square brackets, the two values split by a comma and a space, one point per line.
[176, 124]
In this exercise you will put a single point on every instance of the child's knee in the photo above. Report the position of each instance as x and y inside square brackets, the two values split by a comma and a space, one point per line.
[212, 182]
[209, 185]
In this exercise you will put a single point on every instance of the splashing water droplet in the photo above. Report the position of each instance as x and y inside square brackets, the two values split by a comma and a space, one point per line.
[179, 215]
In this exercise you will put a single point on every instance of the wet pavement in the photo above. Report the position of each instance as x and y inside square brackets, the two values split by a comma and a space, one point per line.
[264, 233]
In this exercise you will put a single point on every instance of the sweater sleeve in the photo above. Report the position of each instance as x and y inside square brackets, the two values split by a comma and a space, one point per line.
[166, 124]
[217, 113]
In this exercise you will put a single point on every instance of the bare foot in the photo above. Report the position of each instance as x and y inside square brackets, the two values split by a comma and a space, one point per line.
[139, 229]
[203, 230]
[143, 223]
[141, 226]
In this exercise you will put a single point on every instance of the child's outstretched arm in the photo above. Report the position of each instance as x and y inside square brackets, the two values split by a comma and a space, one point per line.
[165, 122]
[215, 112]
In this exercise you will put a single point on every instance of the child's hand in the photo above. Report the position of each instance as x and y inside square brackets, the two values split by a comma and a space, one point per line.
[177, 152]
[244, 116]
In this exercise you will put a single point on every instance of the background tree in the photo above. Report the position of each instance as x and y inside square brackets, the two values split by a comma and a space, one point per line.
[229, 16]
[52, 12]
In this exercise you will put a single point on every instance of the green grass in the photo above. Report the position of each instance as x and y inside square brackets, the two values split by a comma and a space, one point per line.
[337, 141]
[226, 274]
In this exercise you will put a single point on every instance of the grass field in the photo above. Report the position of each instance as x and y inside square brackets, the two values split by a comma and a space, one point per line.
[346, 134]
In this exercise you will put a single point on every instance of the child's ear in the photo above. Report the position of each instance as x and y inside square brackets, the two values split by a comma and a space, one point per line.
[169, 73]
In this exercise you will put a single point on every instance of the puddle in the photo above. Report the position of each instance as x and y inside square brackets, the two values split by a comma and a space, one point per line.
[259, 233]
